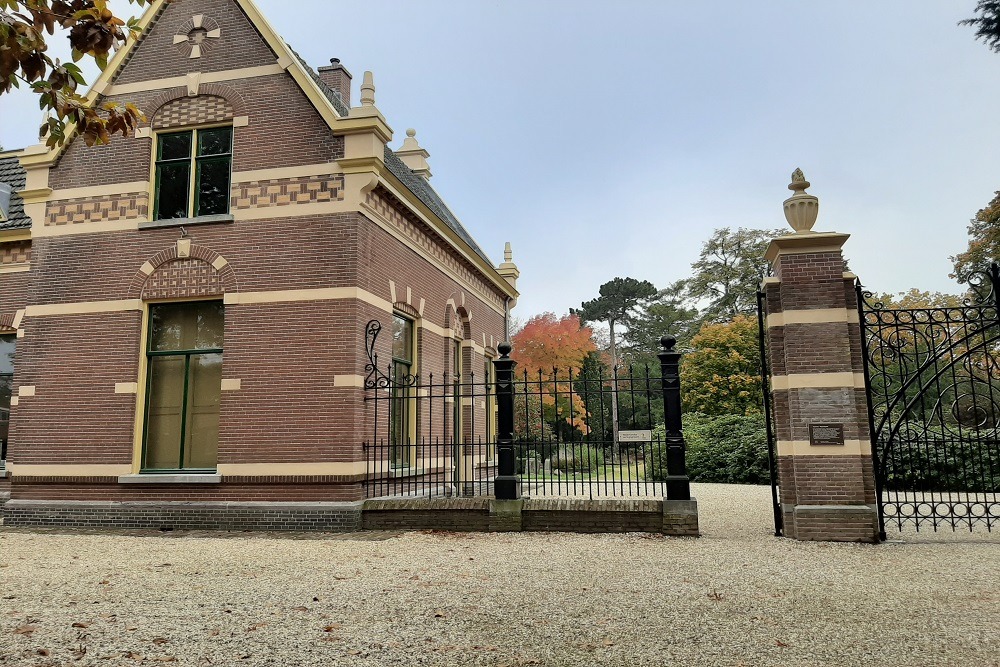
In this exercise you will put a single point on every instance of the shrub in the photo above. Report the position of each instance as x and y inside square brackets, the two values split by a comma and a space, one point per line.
[577, 457]
[728, 449]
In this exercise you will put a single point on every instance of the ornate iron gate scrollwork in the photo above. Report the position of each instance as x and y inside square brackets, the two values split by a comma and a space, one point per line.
[933, 387]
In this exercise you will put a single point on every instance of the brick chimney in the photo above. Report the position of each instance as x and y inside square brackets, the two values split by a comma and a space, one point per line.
[337, 77]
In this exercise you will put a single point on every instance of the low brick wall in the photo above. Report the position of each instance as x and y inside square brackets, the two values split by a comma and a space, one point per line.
[614, 515]
[593, 516]
[459, 514]
[265, 516]
[479, 514]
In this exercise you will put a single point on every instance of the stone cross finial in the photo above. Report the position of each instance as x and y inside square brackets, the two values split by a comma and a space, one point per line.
[368, 90]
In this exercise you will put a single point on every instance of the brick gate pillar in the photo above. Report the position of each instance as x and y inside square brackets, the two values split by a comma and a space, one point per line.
[824, 460]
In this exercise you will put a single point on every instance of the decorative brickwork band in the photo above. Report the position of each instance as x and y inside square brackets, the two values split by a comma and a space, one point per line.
[287, 191]
[166, 276]
[228, 93]
[131, 206]
[14, 253]
[383, 204]
[193, 111]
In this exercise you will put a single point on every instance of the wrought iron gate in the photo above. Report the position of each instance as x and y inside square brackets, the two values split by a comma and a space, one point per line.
[765, 384]
[933, 387]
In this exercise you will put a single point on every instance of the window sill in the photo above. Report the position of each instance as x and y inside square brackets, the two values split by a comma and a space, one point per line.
[187, 222]
[406, 472]
[199, 478]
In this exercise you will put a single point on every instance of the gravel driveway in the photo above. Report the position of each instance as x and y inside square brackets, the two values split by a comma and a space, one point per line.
[737, 596]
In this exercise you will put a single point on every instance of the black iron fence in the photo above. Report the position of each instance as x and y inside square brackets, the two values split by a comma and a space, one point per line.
[511, 434]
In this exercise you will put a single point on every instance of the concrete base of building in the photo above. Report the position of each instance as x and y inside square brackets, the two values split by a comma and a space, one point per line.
[256, 516]
[833, 523]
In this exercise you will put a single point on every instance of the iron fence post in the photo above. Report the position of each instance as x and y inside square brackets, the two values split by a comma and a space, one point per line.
[507, 485]
[677, 481]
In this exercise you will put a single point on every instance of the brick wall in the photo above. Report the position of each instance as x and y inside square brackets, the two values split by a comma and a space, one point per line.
[239, 46]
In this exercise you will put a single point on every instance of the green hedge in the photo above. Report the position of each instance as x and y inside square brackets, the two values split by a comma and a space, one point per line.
[728, 449]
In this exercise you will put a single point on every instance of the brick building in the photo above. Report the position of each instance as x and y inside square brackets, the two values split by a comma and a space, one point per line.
[182, 312]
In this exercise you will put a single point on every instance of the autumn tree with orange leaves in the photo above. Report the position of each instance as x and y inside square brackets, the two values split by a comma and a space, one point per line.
[547, 349]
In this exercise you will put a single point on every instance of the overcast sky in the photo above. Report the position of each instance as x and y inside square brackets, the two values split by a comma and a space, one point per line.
[610, 139]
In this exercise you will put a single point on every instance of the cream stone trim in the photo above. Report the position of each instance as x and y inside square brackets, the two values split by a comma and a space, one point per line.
[144, 132]
[289, 469]
[816, 316]
[379, 220]
[18, 316]
[241, 121]
[147, 268]
[392, 292]
[420, 310]
[15, 400]
[354, 381]
[804, 448]
[26, 390]
[183, 248]
[64, 470]
[818, 381]
[187, 82]
[317, 294]
[83, 308]
[132, 187]
[291, 210]
[85, 228]
[476, 347]
[20, 333]
[299, 171]
[232, 384]
[11, 235]
[467, 402]
[435, 329]
[15, 268]
[220, 263]
[126, 387]
[809, 242]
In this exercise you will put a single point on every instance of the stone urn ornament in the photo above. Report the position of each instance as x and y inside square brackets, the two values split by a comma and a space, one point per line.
[801, 209]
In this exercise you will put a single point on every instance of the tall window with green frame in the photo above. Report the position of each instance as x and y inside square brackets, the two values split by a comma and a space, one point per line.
[193, 170]
[401, 408]
[7, 347]
[183, 387]
[456, 367]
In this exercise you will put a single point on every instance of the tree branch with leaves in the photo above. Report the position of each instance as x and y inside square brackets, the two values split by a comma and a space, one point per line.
[93, 31]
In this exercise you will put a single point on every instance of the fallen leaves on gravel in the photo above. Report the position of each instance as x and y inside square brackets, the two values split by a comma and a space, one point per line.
[25, 630]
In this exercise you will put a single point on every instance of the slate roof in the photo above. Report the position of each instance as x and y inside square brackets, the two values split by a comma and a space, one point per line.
[414, 183]
[14, 175]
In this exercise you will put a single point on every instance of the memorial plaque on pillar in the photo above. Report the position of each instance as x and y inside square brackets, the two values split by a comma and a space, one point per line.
[826, 435]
